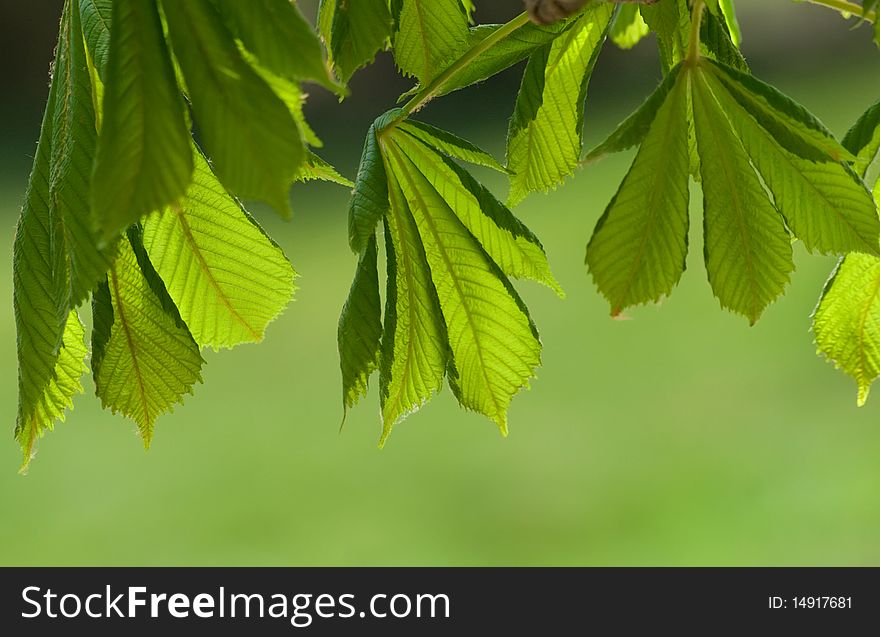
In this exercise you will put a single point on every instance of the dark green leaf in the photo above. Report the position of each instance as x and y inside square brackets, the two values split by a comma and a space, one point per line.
[247, 130]
[143, 160]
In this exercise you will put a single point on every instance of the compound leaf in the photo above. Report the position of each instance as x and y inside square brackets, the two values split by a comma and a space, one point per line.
[495, 349]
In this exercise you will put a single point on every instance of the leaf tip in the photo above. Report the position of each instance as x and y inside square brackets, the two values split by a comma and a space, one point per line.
[864, 389]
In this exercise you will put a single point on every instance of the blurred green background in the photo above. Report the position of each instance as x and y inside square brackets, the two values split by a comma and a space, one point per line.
[680, 437]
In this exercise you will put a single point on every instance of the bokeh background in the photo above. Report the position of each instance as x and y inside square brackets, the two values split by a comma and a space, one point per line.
[679, 437]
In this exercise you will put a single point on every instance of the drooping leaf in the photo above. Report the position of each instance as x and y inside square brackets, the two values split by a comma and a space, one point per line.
[144, 359]
[414, 341]
[429, 36]
[494, 348]
[74, 138]
[354, 32]
[747, 248]
[227, 278]
[730, 19]
[638, 249]
[54, 252]
[280, 38]
[143, 161]
[246, 129]
[360, 328]
[450, 311]
[846, 322]
[545, 138]
[369, 201]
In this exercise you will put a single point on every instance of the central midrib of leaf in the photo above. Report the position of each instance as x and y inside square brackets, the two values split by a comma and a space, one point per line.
[123, 321]
[404, 169]
[737, 202]
[669, 133]
[412, 300]
[209, 275]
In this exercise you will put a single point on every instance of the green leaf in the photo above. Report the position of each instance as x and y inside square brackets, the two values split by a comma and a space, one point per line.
[55, 397]
[55, 260]
[280, 37]
[228, 279]
[826, 205]
[96, 17]
[863, 139]
[430, 33]
[247, 130]
[846, 322]
[369, 201]
[450, 145]
[545, 138]
[143, 161]
[792, 125]
[73, 151]
[354, 32]
[495, 349]
[144, 359]
[290, 93]
[638, 249]
[747, 248]
[509, 51]
[510, 244]
[414, 342]
[629, 27]
[633, 130]
[360, 328]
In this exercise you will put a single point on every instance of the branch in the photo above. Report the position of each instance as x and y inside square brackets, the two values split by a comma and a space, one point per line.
[436, 85]
[844, 6]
